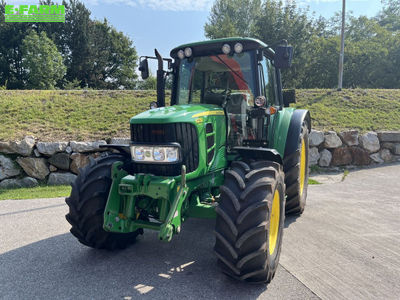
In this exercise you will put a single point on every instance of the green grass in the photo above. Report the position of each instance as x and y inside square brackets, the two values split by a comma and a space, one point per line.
[52, 192]
[36, 192]
[312, 181]
[361, 109]
[90, 115]
[69, 115]
[345, 174]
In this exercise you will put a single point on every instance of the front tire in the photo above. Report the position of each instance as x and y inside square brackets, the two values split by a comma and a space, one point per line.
[87, 203]
[250, 219]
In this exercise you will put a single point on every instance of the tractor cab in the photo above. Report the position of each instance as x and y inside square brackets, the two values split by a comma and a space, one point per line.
[237, 74]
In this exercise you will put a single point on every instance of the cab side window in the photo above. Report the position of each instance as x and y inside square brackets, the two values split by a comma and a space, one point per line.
[268, 82]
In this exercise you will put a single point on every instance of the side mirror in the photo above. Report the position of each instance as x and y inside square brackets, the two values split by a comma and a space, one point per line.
[283, 57]
[289, 96]
[144, 68]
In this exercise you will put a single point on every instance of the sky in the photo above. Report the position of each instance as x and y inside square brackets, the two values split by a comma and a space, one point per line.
[165, 24]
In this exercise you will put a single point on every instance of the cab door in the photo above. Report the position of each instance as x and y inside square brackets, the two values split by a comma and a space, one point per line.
[268, 89]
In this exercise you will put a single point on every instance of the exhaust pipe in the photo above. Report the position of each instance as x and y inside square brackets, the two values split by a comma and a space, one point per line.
[160, 80]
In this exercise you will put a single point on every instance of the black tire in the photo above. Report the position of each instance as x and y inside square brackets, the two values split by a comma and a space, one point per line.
[296, 195]
[243, 220]
[87, 203]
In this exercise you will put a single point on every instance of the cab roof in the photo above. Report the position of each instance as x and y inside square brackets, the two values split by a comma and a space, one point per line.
[209, 47]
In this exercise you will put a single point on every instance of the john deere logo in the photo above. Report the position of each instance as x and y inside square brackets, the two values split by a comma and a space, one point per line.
[34, 13]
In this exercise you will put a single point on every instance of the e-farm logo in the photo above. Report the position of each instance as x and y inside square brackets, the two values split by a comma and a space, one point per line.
[34, 13]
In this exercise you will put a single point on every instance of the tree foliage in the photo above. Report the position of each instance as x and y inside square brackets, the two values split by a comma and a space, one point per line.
[95, 53]
[232, 18]
[372, 45]
[42, 61]
[149, 83]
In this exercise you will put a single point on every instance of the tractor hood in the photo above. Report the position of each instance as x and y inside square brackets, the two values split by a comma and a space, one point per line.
[187, 113]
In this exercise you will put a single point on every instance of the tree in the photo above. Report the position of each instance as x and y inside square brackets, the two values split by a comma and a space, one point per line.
[42, 61]
[112, 59]
[232, 18]
[269, 21]
[96, 54]
[148, 84]
[279, 20]
[11, 36]
[76, 47]
[372, 45]
[390, 15]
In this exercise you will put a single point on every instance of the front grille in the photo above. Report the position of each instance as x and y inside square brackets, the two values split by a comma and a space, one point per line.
[183, 133]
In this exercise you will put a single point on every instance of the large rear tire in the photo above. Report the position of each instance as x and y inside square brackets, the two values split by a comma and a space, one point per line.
[87, 203]
[296, 175]
[250, 218]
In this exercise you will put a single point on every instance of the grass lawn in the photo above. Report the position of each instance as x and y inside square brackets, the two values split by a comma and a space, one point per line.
[36, 192]
[89, 115]
[69, 115]
[51, 192]
[360, 109]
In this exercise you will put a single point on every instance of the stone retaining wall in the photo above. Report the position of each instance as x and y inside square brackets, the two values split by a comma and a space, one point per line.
[331, 149]
[29, 162]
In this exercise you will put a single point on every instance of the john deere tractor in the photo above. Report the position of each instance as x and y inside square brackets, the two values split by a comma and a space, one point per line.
[227, 147]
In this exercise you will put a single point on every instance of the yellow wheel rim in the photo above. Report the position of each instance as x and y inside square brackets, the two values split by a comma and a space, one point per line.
[274, 222]
[302, 166]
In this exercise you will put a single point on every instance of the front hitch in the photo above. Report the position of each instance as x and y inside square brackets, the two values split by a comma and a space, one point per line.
[173, 221]
[121, 214]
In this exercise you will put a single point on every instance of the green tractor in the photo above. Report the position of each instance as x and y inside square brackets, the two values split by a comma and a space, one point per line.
[228, 147]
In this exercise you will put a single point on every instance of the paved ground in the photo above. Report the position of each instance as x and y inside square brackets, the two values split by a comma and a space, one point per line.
[345, 246]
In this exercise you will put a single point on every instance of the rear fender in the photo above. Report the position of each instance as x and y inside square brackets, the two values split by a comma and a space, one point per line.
[293, 136]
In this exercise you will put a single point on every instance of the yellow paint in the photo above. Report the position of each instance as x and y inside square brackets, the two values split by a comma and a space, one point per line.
[274, 222]
[199, 120]
[122, 216]
[302, 166]
[209, 113]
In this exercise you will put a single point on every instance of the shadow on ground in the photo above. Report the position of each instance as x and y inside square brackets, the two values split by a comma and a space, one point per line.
[61, 267]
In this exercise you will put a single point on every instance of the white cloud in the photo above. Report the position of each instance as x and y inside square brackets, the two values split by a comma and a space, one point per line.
[118, 2]
[319, 1]
[177, 5]
[327, 1]
[171, 5]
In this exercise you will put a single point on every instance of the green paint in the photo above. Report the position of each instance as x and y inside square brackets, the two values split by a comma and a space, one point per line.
[177, 113]
[199, 115]
[171, 205]
[279, 129]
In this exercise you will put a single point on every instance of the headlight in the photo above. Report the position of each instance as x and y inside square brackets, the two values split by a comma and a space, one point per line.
[260, 101]
[172, 154]
[226, 49]
[139, 153]
[238, 48]
[158, 154]
[181, 54]
[188, 52]
[155, 154]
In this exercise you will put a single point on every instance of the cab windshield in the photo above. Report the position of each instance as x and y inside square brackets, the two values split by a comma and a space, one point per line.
[216, 79]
